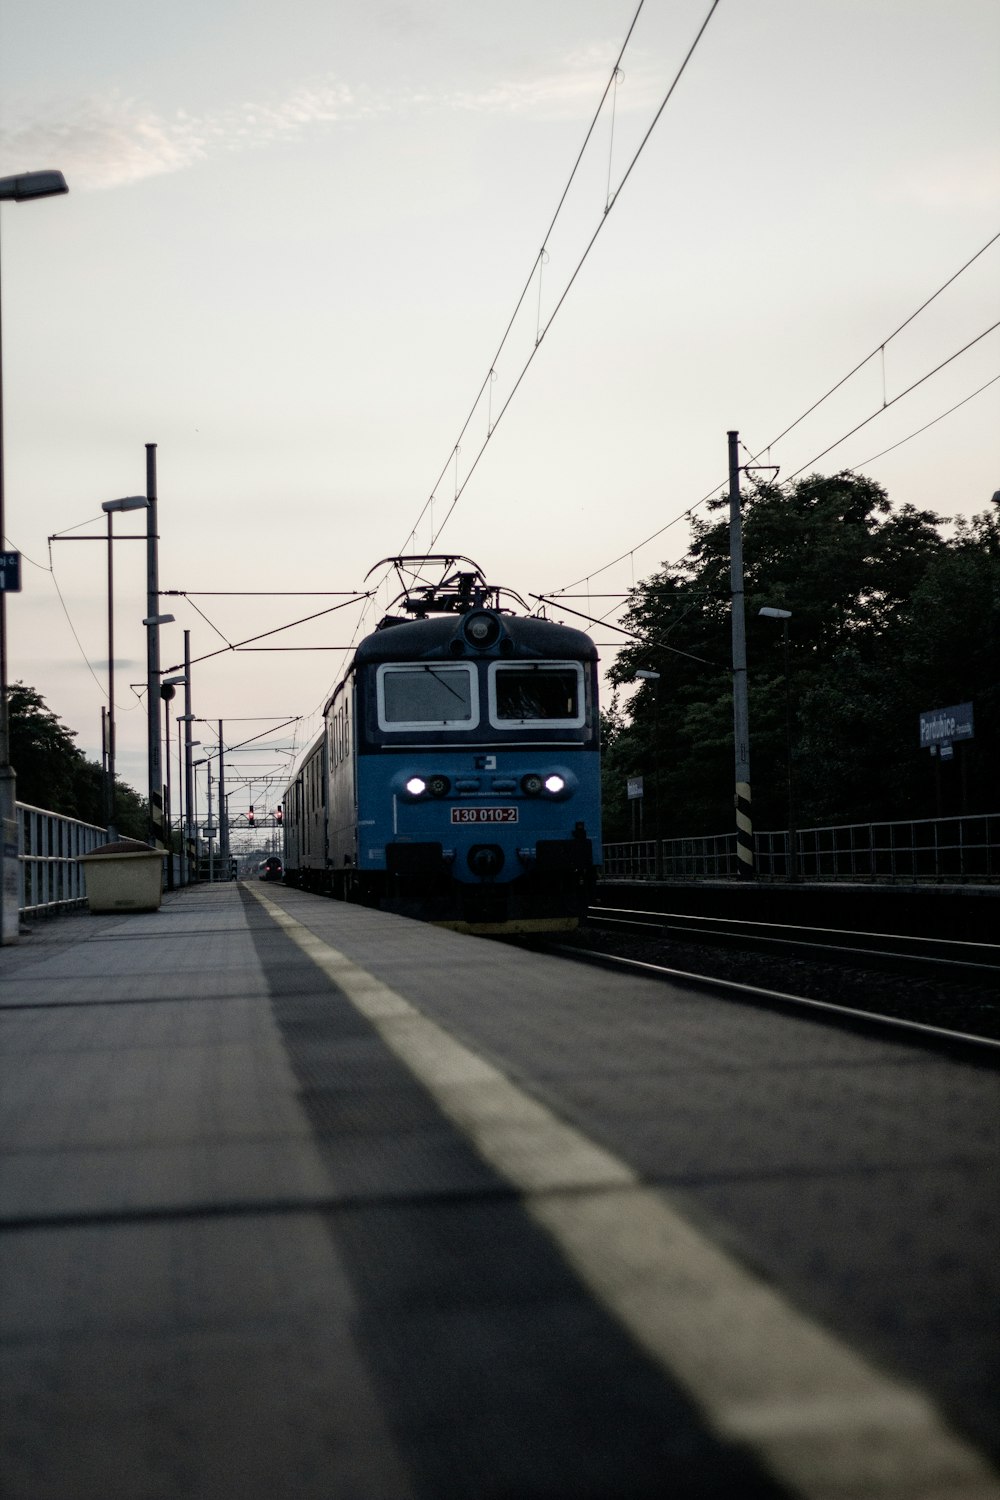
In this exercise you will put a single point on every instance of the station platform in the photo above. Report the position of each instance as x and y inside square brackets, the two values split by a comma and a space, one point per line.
[299, 1199]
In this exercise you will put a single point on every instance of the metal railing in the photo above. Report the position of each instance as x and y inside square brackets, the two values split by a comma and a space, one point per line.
[49, 847]
[942, 850]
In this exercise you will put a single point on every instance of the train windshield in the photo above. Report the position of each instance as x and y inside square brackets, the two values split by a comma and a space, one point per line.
[548, 694]
[438, 696]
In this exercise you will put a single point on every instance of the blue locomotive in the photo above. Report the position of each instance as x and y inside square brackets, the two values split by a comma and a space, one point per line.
[457, 776]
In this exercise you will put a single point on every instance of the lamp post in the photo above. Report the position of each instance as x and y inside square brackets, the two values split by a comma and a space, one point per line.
[202, 760]
[129, 502]
[153, 621]
[168, 688]
[19, 189]
[188, 719]
[784, 615]
[185, 773]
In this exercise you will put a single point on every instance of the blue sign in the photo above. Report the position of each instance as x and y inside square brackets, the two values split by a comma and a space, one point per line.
[10, 572]
[941, 726]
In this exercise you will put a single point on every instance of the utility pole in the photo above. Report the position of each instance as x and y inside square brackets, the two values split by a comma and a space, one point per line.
[223, 812]
[189, 841]
[211, 835]
[153, 656]
[741, 712]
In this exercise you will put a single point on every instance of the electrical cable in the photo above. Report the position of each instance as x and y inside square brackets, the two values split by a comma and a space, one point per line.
[539, 259]
[686, 514]
[660, 643]
[101, 687]
[855, 467]
[886, 404]
[531, 276]
[879, 348]
[261, 593]
[460, 489]
[238, 645]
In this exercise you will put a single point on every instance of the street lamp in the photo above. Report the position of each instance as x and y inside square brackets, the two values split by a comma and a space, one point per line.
[20, 189]
[129, 502]
[784, 615]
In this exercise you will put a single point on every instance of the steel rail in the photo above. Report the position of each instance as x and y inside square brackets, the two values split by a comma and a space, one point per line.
[966, 1043]
[979, 961]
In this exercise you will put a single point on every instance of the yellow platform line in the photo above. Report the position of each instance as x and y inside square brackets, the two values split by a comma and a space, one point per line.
[825, 1421]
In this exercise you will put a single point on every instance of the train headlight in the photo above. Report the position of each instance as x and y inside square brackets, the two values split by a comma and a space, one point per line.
[531, 784]
[416, 786]
[555, 784]
[481, 630]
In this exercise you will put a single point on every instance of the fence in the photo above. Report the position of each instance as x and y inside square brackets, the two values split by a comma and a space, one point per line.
[952, 850]
[49, 849]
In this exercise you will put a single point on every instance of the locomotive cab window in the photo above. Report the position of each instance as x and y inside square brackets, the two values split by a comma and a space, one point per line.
[441, 695]
[547, 694]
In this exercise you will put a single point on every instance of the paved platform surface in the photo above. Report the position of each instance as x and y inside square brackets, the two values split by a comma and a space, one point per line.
[299, 1199]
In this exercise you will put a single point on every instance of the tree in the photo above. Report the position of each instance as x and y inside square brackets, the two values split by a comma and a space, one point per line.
[888, 618]
[55, 775]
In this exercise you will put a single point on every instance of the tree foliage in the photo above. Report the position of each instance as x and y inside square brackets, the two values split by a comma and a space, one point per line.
[889, 618]
[54, 774]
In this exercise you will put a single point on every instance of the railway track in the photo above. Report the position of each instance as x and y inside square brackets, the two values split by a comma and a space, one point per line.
[977, 962]
[925, 990]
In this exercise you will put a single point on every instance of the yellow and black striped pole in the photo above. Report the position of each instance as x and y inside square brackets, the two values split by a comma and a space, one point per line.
[741, 714]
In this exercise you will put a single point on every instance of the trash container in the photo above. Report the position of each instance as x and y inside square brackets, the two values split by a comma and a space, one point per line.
[123, 876]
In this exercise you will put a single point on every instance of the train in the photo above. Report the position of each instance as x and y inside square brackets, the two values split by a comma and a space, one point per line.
[456, 777]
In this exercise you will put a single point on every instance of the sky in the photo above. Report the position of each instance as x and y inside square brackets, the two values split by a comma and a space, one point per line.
[294, 239]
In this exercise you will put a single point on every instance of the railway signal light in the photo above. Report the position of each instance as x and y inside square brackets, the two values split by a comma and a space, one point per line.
[279, 814]
[250, 818]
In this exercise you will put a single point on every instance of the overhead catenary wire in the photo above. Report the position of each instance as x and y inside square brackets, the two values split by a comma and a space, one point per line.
[240, 645]
[887, 404]
[536, 265]
[490, 374]
[490, 377]
[815, 405]
[579, 266]
[932, 423]
[659, 643]
[880, 348]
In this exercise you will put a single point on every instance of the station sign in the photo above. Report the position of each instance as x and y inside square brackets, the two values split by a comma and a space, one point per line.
[10, 572]
[634, 787]
[942, 726]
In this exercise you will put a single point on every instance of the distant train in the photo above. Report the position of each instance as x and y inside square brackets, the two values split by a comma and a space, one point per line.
[457, 776]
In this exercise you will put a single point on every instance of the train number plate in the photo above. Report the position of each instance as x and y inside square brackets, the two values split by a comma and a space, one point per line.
[484, 815]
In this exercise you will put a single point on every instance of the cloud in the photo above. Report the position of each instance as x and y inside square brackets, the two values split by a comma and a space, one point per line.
[110, 141]
[570, 91]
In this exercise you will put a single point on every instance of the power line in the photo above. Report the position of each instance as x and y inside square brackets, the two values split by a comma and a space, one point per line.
[658, 643]
[686, 514]
[854, 468]
[880, 347]
[536, 266]
[460, 489]
[263, 593]
[886, 404]
[239, 645]
[531, 275]
[101, 689]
